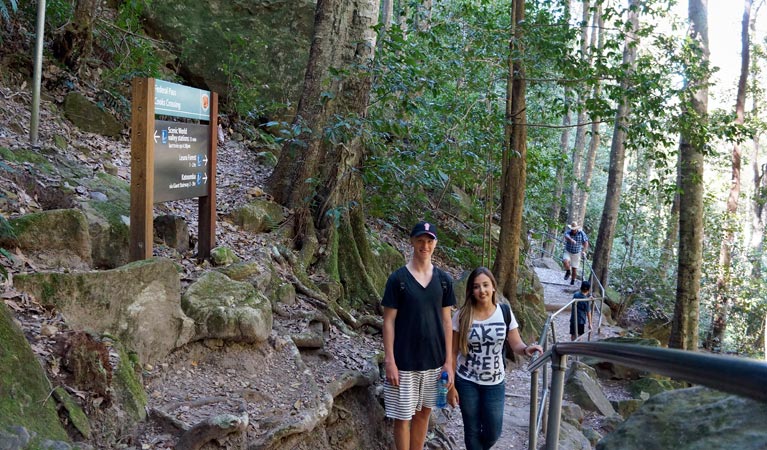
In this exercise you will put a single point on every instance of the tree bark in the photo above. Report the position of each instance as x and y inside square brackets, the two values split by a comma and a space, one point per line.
[759, 177]
[672, 226]
[514, 164]
[317, 174]
[580, 132]
[591, 155]
[723, 300]
[684, 327]
[609, 217]
[75, 44]
[555, 229]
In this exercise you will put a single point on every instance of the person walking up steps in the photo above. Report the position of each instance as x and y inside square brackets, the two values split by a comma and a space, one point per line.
[580, 313]
[417, 338]
[576, 245]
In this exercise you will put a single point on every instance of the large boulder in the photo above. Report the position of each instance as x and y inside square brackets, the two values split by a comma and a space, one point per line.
[695, 418]
[264, 44]
[108, 212]
[88, 116]
[226, 309]
[138, 303]
[258, 216]
[24, 388]
[584, 391]
[57, 238]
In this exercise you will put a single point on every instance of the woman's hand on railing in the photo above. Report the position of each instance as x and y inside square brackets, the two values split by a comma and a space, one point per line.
[532, 349]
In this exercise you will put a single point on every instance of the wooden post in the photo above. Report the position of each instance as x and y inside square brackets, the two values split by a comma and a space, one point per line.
[142, 169]
[207, 205]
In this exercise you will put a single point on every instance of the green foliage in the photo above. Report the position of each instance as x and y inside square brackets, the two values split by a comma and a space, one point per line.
[4, 12]
[134, 55]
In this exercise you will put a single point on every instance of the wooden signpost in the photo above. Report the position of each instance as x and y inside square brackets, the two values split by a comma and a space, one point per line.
[171, 160]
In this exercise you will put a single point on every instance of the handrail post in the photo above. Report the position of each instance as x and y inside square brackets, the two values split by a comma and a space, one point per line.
[558, 364]
[533, 426]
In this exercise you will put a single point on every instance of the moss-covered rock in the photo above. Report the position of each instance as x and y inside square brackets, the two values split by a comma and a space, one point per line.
[74, 413]
[138, 303]
[644, 388]
[258, 216]
[128, 391]
[695, 418]
[223, 256]
[56, 238]
[88, 116]
[24, 388]
[108, 221]
[226, 309]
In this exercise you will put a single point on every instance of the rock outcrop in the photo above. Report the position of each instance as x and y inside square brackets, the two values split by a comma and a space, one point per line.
[693, 418]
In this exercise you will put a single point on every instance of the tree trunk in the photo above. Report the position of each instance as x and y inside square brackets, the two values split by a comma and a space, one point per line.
[75, 44]
[580, 132]
[591, 155]
[317, 174]
[555, 229]
[759, 199]
[672, 226]
[514, 164]
[723, 300]
[387, 10]
[684, 327]
[617, 158]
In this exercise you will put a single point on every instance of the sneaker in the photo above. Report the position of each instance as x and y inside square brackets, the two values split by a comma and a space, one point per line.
[572, 281]
[567, 274]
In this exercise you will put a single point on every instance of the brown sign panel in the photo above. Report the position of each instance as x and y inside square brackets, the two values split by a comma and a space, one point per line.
[181, 160]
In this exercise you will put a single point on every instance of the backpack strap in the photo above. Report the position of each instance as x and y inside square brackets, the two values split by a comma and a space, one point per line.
[506, 315]
[442, 280]
[507, 351]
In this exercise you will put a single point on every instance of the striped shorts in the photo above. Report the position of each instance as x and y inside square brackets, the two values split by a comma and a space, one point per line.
[416, 390]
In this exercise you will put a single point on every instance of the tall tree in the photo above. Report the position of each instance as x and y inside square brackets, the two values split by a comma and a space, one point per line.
[555, 227]
[684, 327]
[580, 131]
[759, 170]
[317, 175]
[723, 300]
[591, 155]
[617, 152]
[514, 165]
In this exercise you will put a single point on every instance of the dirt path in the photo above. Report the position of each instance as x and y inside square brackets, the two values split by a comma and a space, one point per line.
[557, 293]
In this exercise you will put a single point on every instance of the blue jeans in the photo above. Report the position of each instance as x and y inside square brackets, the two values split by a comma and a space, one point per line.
[482, 412]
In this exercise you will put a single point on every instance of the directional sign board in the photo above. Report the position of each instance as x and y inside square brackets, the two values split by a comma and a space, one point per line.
[171, 99]
[171, 160]
[180, 160]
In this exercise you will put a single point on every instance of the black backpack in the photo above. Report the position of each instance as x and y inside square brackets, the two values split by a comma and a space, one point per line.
[507, 350]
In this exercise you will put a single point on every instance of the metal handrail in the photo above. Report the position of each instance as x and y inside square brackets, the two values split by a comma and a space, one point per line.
[536, 403]
[741, 376]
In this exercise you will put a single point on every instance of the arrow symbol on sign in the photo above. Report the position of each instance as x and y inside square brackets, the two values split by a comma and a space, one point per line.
[155, 136]
[205, 178]
[205, 159]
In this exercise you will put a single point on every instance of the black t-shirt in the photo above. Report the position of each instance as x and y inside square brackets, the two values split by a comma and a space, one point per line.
[419, 337]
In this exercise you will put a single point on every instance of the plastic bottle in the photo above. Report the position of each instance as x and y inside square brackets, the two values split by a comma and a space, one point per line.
[442, 391]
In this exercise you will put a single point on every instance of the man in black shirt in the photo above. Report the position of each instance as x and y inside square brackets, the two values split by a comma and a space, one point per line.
[417, 336]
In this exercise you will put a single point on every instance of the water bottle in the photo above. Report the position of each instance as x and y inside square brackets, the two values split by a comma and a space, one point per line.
[442, 391]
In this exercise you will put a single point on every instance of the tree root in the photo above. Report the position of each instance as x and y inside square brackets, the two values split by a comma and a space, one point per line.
[216, 427]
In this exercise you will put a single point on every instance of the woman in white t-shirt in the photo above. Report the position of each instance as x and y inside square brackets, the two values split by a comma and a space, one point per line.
[479, 330]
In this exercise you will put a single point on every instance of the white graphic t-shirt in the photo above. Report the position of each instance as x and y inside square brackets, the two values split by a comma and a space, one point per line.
[484, 362]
